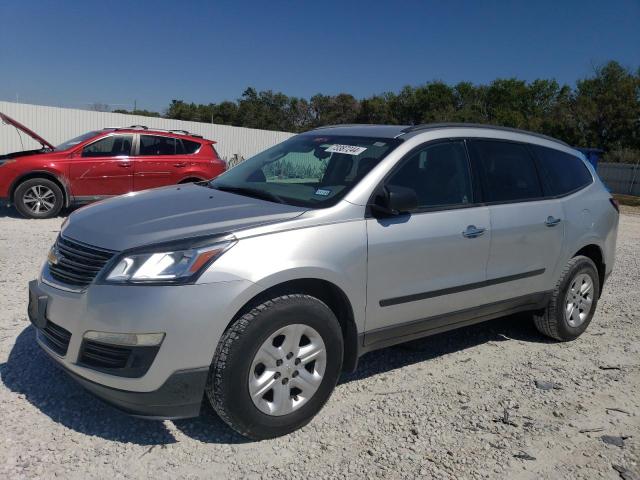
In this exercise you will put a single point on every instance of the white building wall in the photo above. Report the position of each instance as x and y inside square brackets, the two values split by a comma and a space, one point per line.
[57, 125]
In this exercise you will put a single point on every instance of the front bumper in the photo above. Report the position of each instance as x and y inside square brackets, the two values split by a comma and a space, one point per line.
[179, 397]
[193, 318]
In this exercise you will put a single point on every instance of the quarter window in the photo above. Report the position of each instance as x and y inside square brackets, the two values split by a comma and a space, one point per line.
[156, 145]
[111, 146]
[561, 172]
[189, 146]
[507, 170]
[438, 173]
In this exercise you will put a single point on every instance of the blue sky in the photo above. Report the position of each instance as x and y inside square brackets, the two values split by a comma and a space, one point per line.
[76, 53]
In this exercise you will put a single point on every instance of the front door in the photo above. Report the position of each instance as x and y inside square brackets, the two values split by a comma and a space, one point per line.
[102, 168]
[432, 261]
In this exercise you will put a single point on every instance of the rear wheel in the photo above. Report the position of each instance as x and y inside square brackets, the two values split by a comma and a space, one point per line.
[276, 366]
[573, 301]
[38, 198]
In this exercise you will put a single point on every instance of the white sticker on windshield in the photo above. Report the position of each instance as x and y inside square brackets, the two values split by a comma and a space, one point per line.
[323, 192]
[347, 149]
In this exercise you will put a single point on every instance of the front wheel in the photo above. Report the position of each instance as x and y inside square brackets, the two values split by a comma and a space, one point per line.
[276, 366]
[573, 301]
[38, 198]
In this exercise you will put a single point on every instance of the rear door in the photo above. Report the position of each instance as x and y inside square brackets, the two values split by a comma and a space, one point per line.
[102, 168]
[431, 261]
[527, 228]
[160, 161]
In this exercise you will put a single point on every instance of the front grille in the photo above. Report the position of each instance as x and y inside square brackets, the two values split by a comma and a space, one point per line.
[77, 264]
[99, 355]
[55, 337]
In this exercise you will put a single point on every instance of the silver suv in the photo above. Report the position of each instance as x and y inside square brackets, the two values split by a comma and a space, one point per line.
[255, 290]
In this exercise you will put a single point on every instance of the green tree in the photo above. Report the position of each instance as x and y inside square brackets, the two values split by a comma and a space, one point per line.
[333, 110]
[608, 108]
[378, 109]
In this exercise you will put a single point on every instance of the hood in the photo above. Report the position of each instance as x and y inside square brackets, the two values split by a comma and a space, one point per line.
[10, 121]
[168, 214]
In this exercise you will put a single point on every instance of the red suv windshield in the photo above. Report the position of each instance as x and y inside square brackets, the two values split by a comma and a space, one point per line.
[75, 141]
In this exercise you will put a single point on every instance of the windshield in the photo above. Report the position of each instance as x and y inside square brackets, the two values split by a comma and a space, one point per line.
[75, 141]
[307, 170]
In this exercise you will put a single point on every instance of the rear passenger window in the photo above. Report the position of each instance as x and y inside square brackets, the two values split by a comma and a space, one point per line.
[190, 147]
[561, 172]
[507, 170]
[439, 174]
[155, 145]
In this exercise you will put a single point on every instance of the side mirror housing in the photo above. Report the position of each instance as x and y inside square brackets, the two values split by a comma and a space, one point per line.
[394, 200]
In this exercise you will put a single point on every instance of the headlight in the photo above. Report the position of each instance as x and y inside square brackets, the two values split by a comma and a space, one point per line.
[178, 266]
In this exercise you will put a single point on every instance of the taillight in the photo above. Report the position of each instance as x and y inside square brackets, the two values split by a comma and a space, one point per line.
[615, 204]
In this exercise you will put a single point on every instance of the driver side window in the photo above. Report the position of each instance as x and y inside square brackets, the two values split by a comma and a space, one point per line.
[112, 146]
[438, 173]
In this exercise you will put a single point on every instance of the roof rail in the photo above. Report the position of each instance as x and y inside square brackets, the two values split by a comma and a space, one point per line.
[435, 126]
[144, 127]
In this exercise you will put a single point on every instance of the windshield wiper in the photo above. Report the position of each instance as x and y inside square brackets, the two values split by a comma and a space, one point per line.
[250, 192]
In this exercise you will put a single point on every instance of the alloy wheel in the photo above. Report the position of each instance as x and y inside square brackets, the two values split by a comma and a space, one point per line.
[578, 300]
[287, 369]
[39, 199]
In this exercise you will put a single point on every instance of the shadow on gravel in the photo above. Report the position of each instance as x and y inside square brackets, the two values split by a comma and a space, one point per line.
[11, 212]
[514, 327]
[209, 428]
[29, 372]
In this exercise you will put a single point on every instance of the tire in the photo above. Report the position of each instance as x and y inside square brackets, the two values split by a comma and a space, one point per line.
[38, 198]
[553, 321]
[237, 362]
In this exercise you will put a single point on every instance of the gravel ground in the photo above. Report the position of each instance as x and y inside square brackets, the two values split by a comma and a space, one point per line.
[491, 401]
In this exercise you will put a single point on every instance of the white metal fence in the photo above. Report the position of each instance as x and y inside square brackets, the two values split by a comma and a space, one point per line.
[57, 125]
[621, 177]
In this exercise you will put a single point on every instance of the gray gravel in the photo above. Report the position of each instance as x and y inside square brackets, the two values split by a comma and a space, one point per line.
[490, 401]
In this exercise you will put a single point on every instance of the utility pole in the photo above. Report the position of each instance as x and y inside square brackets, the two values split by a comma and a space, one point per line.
[135, 105]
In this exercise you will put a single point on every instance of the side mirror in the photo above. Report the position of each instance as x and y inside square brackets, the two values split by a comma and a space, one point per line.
[394, 200]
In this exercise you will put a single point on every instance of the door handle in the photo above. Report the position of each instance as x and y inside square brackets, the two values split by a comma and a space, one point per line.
[551, 221]
[472, 231]
[124, 164]
[180, 164]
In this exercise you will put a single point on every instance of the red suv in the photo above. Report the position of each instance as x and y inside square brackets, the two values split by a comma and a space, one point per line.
[100, 164]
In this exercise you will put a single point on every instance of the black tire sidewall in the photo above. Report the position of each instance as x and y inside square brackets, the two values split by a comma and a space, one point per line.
[26, 185]
[234, 379]
[583, 265]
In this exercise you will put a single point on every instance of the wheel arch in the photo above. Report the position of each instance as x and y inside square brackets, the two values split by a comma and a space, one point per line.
[325, 291]
[595, 253]
[41, 174]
